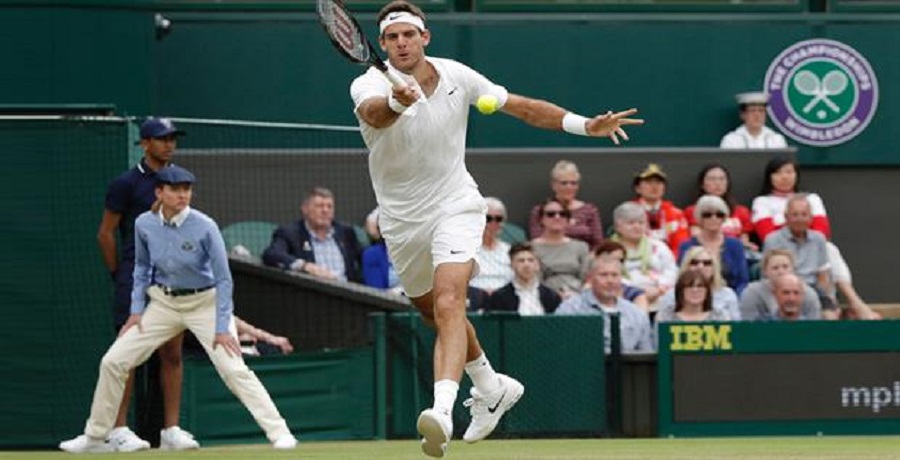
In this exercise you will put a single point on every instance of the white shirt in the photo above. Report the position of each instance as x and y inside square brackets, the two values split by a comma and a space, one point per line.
[529, 298]
[494, 267]
[417, 163]
[742, 139]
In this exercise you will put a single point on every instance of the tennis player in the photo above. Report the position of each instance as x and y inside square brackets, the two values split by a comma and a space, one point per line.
[181, 265]
[432, 214]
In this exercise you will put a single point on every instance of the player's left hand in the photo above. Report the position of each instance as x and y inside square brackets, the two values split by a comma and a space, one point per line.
[611, 124]
[228, 342]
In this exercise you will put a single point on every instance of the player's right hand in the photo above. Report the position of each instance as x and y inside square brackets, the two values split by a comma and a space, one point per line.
[133, 320]
[406, 95]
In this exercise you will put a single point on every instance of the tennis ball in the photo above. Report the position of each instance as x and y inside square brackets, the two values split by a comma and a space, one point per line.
[487, 104]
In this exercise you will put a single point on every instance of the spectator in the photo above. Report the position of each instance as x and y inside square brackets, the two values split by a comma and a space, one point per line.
[665, 221]
[758, 300]
[584, 222]
[714, 179]
[789, 292]
[699, 259]
[258, 342]
[377, 269]
[781, 181]
[809, 251]
[187, 289]
[693, 301]
[614, 250]
[524, 294]
[494, 270]
[753, 133]
[602, 298]
[710, 213]
[649, 264]
[316, 244]
[128, 196]
[564, 261]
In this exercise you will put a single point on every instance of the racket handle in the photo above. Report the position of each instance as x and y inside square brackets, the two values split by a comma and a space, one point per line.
[395, 79]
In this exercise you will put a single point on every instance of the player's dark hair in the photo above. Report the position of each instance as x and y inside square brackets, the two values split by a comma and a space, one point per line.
[400, 5]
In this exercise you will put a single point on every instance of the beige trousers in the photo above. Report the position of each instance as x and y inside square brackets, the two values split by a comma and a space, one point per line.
[164, 318]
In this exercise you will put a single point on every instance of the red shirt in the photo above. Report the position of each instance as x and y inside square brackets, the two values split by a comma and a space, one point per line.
[667, 224]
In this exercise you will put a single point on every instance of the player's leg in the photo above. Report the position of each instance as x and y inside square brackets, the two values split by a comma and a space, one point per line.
[200, 316]
[457, 239]
[158, 324]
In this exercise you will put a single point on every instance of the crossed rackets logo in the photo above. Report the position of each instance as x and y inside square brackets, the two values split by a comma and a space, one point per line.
[821, 92]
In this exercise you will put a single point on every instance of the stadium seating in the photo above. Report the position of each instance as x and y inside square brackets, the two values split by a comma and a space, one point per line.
[253, 235]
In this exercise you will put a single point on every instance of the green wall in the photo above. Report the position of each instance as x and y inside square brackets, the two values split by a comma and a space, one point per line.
[681, 70]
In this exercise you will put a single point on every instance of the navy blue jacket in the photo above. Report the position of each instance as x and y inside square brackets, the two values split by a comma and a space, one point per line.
[291, 242]
[505, 299]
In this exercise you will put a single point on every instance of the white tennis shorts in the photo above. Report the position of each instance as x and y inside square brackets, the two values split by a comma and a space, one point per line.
[453, 235]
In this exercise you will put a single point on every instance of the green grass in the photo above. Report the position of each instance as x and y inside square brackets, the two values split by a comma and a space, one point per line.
[800, 448]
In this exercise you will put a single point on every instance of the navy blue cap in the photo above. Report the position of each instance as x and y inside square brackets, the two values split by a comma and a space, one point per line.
[158, 127]
[174, 175]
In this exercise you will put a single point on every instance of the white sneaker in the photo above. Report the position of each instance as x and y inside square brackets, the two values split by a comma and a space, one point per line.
[174, 438]
[86, 444]
[285, 442]
[436, 429]
[124, 440]
[487, 410]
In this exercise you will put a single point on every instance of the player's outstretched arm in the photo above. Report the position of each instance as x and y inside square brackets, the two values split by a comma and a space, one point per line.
[546, 115]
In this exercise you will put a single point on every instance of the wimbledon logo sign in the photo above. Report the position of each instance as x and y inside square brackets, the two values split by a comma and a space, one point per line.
[821, 92]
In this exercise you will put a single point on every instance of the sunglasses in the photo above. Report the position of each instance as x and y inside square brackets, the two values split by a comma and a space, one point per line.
[707, 215]
[491, 218]
[704, 262]
[557, 214]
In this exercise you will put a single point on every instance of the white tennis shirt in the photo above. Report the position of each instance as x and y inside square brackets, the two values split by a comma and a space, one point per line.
[418, 163]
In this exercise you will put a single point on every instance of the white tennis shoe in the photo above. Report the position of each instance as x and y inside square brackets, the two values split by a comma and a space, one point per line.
[285, 442]
[85, 444]
[486, 410]
[436, 429]
[124, 440]
[174, 438]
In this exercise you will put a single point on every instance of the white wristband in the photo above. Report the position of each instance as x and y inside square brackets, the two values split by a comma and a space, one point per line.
[395, 105]
[574, 124]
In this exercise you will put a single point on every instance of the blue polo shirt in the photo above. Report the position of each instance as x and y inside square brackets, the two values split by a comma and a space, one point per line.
[130, 195]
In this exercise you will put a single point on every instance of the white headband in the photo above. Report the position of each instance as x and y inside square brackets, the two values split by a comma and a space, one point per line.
[401, 16]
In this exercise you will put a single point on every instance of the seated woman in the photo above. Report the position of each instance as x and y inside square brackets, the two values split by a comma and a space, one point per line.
[698, 259]
[649, 264]
[714, 179]
[494, 270]
[758, 300]
[780, 182]
[693, 301]
[710, 214]
[564, 261]
[584, 219]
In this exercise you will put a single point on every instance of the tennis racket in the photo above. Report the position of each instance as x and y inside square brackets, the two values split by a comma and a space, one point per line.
[347, 36]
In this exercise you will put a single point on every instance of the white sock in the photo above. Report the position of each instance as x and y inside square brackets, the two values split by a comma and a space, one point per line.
[445, 395]
[482, 374]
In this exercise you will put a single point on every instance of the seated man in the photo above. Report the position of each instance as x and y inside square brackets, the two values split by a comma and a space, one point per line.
[603, 298]
[665, 221]
[758, 302]
[524, 294]
[753, 133]
[789, 292]
[316, 244]
[809, 250]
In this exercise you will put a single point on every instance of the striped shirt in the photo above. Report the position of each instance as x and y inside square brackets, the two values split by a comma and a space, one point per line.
[327, 252]
[187, 252]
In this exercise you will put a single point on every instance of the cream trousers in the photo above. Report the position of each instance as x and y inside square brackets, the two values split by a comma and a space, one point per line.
[164, 318]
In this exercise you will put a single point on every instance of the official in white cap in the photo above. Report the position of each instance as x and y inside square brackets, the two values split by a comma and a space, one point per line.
[753, 134]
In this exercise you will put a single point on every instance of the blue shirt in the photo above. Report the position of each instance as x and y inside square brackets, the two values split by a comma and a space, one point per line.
[130, 195]
[328, 253]
[636, 334]
[187, 253]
